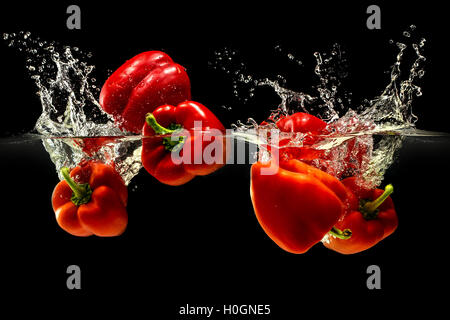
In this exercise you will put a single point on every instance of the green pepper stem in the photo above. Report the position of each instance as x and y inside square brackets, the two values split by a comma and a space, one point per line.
[81, 192]
[371, 206]
[169, 143]
[341, 234]
[76, 188]
[159, 129]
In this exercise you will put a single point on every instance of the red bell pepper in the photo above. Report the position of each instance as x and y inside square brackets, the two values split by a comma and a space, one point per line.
[371, 220]
[303, 123]
[142, 84]
[299, 204]
[354, 152]
[91, 145]
[91, 200]
[158, 145]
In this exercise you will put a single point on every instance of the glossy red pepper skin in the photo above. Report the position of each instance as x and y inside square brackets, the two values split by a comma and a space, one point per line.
[365, 232]
[303, 123]
[315, 130]
[299, 122]
[157, 160]
[104, 213]
[142, 84]
[298, 205]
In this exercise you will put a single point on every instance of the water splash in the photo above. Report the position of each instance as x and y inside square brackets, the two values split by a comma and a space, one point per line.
[388, 116]
[67, 91]
[71, 113]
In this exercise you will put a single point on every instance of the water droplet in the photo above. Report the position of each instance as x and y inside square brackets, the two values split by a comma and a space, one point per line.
[422, 42]
[401, 46]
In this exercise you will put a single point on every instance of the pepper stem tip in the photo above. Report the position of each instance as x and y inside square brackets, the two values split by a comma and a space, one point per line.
[341, 234]
[371, 206]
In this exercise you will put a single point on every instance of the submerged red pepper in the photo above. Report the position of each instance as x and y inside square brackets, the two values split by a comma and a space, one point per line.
[91, 145]
[308, 124]
[142, 84]
[91, 200]
[371, 220]
[299, 204]
[316, 130]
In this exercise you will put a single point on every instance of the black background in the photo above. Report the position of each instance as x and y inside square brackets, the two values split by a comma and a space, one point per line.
[200, 243]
